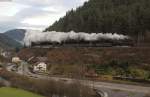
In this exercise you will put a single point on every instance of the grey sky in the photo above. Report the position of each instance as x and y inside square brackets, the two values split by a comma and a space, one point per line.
[33, 14]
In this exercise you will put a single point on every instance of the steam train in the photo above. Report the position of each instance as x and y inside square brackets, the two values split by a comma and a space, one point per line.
[84, 43]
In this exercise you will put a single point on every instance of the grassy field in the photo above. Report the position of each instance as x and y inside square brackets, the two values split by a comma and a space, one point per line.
[12, 92]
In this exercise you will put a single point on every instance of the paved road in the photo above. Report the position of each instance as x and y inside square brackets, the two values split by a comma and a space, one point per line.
[96, 85]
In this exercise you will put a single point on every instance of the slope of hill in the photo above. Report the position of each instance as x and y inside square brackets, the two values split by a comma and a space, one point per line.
[103, 61]
[122, 16]
[7, 42]
[16, 34]
[138, 56]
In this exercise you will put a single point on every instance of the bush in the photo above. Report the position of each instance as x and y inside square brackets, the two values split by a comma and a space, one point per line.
[139, 73]
[48, 88]
[1, 84]
[147, 95]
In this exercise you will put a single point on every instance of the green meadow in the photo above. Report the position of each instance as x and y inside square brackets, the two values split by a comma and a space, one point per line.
[13, 92]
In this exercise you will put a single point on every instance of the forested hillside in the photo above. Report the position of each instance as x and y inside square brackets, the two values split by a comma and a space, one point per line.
[131, 17]
[16, 34]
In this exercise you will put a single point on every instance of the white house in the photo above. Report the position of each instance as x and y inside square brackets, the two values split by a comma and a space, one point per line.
[40, 67]
[16, 60]
[5, 54]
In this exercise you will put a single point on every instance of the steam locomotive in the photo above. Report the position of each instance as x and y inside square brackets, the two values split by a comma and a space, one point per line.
[85, 43]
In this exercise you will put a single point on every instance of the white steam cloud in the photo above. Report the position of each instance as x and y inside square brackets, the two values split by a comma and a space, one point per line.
[53, 36]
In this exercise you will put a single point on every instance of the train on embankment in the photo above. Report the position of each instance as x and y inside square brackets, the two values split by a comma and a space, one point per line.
[83, 43]
[76, 39]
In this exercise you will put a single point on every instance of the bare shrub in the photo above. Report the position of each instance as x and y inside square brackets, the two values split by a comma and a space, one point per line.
[47, 88]
[1, 84]
[147, 95]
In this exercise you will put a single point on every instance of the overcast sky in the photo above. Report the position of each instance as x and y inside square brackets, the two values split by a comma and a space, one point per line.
[33, 14]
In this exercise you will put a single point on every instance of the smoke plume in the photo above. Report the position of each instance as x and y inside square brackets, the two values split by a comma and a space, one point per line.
[53, 36]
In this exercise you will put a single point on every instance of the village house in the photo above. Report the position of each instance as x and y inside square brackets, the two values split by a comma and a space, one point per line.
[40, 67]
[5, 54]
[39, 64]
[16, 60]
